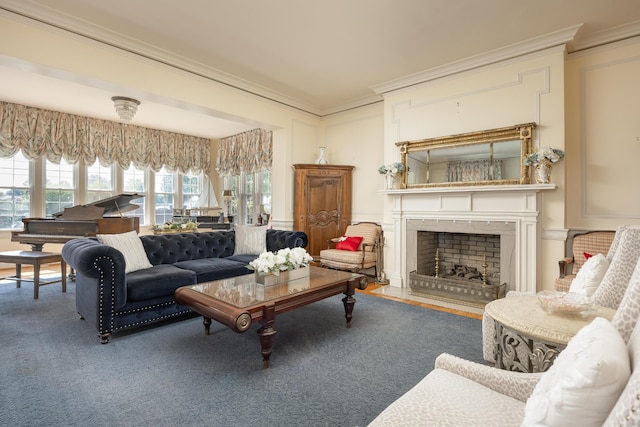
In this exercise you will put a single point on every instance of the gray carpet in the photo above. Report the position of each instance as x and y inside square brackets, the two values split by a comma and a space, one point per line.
[56, 373]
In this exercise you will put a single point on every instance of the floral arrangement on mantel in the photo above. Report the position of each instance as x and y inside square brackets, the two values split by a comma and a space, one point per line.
[174, 227]
[282, 260]
[551, 154]
[392, 169]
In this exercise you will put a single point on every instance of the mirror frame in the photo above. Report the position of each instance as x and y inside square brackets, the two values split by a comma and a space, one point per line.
[522, 132]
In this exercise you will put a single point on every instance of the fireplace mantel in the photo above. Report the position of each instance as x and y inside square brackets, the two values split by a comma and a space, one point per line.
[517, 206]
[472, 189]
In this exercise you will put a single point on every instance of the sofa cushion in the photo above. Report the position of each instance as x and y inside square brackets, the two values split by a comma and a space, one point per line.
[157, 281]
[590, 275]
[250, 240]
[135, 257]
[245, 259]
[214, 268]
[443, 398]
[584, 383]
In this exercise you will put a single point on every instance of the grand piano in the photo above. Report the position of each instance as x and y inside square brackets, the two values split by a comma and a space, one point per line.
[101, 217]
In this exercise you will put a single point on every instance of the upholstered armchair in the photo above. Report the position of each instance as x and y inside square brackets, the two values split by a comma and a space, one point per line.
[623, 254]
[604, 356]
[581, 244]
[356, 250]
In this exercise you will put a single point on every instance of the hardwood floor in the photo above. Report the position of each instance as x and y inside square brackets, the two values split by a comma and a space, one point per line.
[372, 287]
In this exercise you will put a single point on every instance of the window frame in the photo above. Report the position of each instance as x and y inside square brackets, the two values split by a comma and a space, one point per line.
[37, 189]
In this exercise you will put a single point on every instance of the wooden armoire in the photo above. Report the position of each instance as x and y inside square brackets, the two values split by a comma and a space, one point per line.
[321, 203]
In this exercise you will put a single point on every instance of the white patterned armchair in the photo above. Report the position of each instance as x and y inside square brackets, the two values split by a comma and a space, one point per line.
[623, 255]
[594, 382]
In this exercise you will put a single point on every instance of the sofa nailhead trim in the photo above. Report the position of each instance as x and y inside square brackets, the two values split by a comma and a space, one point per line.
[100, 305]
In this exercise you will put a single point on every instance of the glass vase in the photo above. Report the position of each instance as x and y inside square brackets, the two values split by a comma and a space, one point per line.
[389, 181]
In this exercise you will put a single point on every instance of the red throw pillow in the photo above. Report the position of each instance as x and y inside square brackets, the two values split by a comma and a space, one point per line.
[587, 255]
[349, 243]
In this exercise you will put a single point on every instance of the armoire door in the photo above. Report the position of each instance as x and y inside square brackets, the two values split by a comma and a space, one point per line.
[323, 203]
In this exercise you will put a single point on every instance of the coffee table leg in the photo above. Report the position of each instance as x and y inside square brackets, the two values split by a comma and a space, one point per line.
[207, 324]
[349, 301]
[267, 333]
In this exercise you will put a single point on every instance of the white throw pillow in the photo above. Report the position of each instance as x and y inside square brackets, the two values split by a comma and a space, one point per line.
[585, 381]
[590, 275]
[135, 257]
[250, 240]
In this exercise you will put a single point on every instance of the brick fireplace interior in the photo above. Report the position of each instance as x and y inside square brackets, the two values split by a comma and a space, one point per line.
[463, 256]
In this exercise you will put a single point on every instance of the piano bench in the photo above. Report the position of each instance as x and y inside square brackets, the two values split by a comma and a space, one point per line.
[36, 259]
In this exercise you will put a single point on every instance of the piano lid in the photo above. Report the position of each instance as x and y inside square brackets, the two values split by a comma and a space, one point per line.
[111, 205]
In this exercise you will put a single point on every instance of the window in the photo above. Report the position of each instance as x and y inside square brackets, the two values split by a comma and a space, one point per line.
[135, 181]
[99, 182]
[68, 185]
[59, 187]
[164, 196]
[253, 196]
[191, 191]
[15, 191]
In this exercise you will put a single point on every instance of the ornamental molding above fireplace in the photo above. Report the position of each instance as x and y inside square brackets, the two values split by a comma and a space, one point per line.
[511, 211]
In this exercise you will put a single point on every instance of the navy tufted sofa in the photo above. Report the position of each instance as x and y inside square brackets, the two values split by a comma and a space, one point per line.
[112, 300]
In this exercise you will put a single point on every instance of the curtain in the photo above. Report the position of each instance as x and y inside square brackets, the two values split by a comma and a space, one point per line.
[473, 170]
[56, 135]
[248, 152]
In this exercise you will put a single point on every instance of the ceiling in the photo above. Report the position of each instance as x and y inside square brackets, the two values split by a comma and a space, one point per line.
[318, 56]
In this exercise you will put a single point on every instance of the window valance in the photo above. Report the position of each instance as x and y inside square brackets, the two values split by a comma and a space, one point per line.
[55, 135]
[248, 152]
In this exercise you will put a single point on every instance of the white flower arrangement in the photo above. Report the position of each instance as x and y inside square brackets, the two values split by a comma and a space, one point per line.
[552, 154]
[282, 260]
[391, 169]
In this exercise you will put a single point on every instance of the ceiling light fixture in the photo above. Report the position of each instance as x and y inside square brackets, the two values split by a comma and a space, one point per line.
[125, 107]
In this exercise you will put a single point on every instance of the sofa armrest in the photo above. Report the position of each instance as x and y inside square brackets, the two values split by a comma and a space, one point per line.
[101, 284]
[518, 385]
[81, 255]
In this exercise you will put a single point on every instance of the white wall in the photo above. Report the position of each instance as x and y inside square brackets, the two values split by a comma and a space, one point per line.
[603, 136]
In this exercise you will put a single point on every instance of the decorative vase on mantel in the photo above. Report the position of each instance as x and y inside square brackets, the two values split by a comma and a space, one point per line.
[543, 171]
[282, 277]
[389, 180]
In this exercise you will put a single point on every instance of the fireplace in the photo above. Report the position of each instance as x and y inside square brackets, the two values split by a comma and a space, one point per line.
[505, 217]
[460, 266]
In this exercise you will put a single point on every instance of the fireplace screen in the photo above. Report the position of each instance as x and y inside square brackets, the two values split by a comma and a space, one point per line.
[458, 266]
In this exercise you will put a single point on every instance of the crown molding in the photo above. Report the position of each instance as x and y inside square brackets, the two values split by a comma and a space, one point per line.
[508, 52]
[603, 37]
[44, 18]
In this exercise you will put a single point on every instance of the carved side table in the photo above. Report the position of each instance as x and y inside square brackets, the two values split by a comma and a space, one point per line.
[527, 338]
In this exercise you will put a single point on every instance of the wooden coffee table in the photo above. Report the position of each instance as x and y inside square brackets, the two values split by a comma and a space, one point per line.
[238, 302]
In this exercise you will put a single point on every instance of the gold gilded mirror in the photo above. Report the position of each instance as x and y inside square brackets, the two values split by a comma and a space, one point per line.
[489, 157]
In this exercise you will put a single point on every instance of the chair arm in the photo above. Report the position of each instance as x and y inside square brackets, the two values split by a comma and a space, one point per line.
[563, 264]
[332, 242]
[518, 385]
